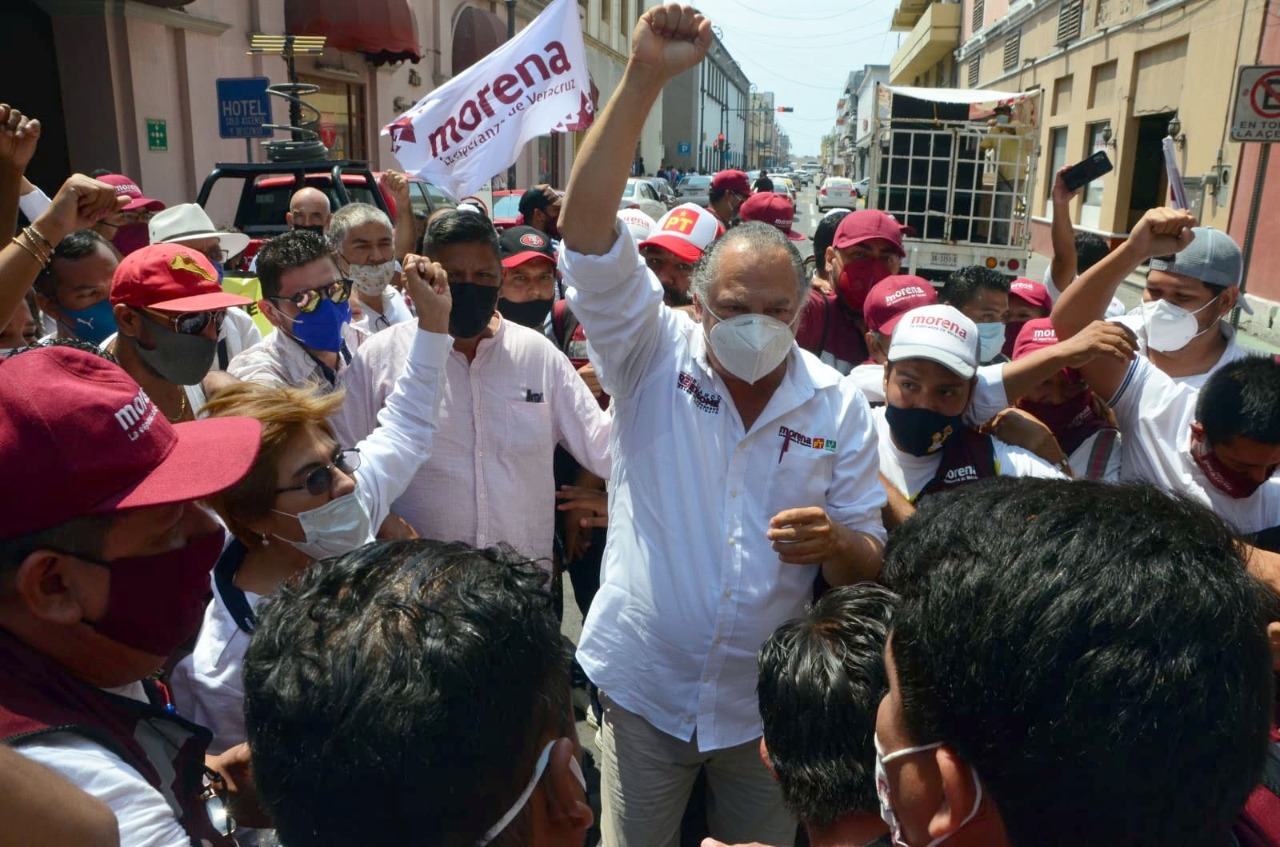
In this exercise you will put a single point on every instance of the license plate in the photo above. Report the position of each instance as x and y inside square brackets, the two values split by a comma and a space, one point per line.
[945, 260]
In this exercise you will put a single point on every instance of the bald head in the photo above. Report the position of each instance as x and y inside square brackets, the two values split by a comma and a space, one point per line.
[308, 208]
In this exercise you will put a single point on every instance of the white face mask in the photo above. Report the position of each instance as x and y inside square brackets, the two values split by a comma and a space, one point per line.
[1170, 327]
[538, 770]
[372, 280]
[750, 346]
[990, 340]
[888, 815]
[336, 528]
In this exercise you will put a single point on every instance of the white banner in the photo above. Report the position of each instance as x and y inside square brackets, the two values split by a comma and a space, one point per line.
[474, 126]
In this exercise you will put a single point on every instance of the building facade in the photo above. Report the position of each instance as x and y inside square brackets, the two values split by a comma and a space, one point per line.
[129, 86]
[706, 112]
[864, 118]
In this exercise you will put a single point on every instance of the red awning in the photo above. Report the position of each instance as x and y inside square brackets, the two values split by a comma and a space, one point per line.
[383, 30]
[476, 34]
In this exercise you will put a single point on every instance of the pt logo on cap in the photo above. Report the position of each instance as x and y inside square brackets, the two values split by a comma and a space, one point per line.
[682, 219]
[537, 242]
[183, 262]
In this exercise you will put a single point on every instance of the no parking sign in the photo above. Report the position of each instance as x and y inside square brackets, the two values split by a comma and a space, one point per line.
[1256, 116]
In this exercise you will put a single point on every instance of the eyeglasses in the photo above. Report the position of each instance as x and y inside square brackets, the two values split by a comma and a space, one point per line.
[338, 291]
[320, 480]
[190, 323]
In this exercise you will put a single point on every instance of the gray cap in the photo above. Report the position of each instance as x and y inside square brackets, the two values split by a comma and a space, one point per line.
[1213, 258]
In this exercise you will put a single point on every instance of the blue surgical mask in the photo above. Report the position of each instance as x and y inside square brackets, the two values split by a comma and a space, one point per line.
[990, 340]
[94, 324]
[322, 329]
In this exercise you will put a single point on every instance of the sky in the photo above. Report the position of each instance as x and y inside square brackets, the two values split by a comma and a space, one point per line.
[805, 56]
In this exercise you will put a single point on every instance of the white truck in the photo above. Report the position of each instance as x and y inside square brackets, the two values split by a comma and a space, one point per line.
[957, 166]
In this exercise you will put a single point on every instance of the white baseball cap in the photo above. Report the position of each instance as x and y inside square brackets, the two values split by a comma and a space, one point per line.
[687, 230]
[638, 222]
[940, 334]
[188, 222]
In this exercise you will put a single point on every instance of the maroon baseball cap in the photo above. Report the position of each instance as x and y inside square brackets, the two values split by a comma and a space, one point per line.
[894, 296]
[731, 181]
[1032, 293]
[867, 225]
[1034, 335]
[126, 187]
[86, 440]
[776, 210]
[170, 278]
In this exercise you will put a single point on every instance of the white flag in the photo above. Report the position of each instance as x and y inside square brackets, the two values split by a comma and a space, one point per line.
[473, 127]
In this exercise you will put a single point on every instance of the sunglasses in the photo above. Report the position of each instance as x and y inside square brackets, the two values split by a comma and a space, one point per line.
[338, 291]
[190, 323]
[320, 480]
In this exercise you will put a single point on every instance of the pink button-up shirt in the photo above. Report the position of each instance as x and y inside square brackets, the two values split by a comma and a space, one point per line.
[489, 477]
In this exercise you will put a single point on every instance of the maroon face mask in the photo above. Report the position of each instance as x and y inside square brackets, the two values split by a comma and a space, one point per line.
[1228, 481]
[131, 237]
[857, 278]
[157, 602]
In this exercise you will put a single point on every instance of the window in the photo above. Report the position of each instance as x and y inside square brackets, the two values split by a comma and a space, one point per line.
[1069, 16]
[342, 117]
[973, 72]
[1012, 45]
[624, 18]
[1057, 161]
[979, 12]
[606, 9]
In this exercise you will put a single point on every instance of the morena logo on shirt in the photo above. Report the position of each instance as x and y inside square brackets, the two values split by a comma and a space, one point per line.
[529, 239]
[955, 476]
[793, 437]
[705, 401]
[935, 322]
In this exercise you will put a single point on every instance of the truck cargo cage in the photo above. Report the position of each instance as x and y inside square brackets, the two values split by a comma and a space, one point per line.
[963, 182]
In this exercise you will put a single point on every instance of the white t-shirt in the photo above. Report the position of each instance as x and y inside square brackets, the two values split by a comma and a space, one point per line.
[910, 474]
[1233, 352]
[870, 381]
[1155, 413]
[143, 815]
[1082, 455]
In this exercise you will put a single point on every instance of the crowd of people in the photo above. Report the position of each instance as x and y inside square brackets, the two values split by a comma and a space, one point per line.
[862, 560]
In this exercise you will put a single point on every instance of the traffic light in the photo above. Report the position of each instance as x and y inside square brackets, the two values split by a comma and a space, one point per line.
[786, 109]
[720, 140]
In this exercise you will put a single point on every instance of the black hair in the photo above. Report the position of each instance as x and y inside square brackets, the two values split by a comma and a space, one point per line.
[289, 250]
[454, 227]
[399, 694]
[1095, 652]
[822, 677]
[963, 285]
[531, 201]
[825, 233]
[1091, 248]
[77, 245]
[715, 194]
[1242, 398]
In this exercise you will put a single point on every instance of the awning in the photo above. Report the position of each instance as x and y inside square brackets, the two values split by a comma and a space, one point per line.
[476, 34]
[383, 30]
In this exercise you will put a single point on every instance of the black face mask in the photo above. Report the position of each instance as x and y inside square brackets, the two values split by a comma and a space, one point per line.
[472, 307]
[920, 432]
[532, 314]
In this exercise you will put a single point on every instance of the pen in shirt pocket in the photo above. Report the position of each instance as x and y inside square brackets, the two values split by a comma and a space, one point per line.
[786, 442]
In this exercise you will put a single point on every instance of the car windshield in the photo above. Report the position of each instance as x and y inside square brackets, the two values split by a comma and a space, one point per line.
[507, 206]
[696, 181]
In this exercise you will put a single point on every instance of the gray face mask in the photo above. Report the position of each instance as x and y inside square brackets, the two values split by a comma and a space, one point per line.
[176, 357]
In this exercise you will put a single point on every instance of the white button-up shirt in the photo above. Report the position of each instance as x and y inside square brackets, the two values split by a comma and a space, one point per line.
[691, 587]
[490, 477]
[279, 360]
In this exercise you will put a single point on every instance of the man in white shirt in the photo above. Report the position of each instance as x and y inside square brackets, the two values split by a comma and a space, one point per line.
[509, 398]
[925, 444]
[105, 559]
[363, 241]
[744, 470]
[305, 297]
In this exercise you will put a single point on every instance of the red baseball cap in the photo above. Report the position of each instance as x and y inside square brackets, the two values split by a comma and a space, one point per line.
[1034, 335]
[126, 187]
[86, 440]
[867, 225]
[170, 278]
[687, 231]
[773, 209]
[1032, 293]
[731, 181]
[894, 296]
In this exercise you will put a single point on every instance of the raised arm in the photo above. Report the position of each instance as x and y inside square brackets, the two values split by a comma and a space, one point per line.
[397, 185]
[18, 137]
[1098, 339]
[667, 41]
[1160, 232]
[1062, 269]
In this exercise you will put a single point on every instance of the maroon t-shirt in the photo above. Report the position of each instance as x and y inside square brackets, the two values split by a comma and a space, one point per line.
[832, 332]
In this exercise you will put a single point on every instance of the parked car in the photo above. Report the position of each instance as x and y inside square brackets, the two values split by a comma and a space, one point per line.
[506, 209]
[666, 193]
[694, 188]
[641, 194]
[836, 192]
[861, 187]
[784, 185]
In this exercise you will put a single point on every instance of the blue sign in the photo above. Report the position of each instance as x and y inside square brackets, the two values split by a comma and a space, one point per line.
[244, 107]
[684, 148]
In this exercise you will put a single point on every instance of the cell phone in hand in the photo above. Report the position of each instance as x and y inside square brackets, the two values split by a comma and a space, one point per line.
[1084, 172]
